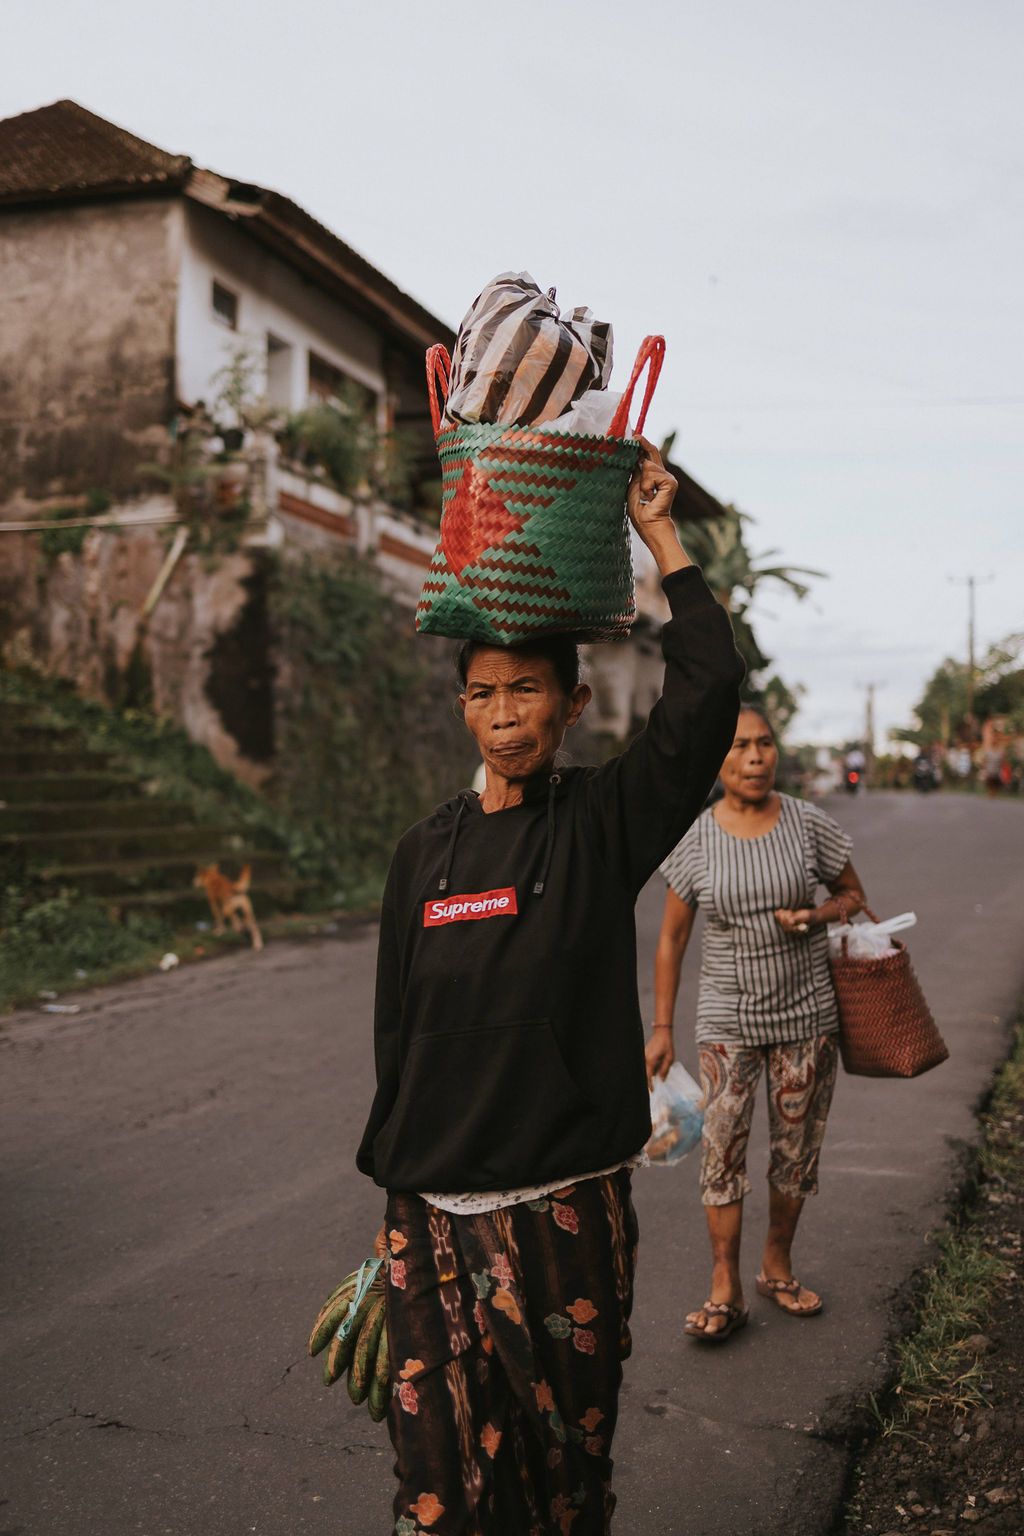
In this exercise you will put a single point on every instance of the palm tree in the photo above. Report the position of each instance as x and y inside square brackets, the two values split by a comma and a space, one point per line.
[735, 576]
[717, 542]
[719, 546]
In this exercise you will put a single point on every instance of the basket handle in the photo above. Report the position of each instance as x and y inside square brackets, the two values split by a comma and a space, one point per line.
[439, 371]
[652, 351]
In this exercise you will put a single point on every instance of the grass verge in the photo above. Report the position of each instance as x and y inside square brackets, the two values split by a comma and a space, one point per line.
[935, 1369]
[948, 1441]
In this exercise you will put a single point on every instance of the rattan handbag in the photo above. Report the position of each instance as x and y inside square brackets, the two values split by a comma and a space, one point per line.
[885, 1026]
[534, 533]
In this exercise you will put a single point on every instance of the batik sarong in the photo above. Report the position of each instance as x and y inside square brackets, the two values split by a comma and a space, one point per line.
[507, 1331]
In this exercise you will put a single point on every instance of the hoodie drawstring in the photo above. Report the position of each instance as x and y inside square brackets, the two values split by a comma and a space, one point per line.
[549, 847]
[446, 876]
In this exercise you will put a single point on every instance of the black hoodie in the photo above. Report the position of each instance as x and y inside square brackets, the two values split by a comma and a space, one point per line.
[507, 1034]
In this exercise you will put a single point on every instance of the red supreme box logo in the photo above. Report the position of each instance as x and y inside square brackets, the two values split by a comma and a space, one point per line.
[466, 909]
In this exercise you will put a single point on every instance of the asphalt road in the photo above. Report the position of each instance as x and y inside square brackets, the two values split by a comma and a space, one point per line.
[178, 1196]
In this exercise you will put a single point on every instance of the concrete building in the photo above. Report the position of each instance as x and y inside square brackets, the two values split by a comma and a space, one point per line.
[130, 278]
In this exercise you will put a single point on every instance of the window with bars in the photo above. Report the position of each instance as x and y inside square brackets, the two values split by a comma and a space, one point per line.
[224, 303]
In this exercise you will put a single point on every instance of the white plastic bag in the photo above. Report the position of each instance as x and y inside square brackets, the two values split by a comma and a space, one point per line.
[591, 416]
[677, 1116]
[868, 941]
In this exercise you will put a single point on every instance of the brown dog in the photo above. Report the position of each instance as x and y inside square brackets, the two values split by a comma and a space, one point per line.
[229, 899]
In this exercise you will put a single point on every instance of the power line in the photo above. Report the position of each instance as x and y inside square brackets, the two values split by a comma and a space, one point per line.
[970, 401]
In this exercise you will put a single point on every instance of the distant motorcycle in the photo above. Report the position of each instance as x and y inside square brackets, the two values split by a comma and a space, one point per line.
[925, 777]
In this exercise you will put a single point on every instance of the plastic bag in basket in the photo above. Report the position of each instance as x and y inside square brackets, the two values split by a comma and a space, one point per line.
[868, 941]
[677, 1116]
[516, 358]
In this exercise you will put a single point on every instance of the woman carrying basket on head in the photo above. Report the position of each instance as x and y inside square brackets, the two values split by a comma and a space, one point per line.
[754, 862]
[511, 1095]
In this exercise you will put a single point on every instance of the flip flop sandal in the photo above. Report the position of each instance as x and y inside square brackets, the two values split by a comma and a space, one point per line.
[775, 1288]
[735, 1317]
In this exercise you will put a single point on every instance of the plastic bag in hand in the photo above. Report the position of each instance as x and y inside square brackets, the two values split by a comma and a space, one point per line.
[868, 941]
[517, 360]
[677, 1116]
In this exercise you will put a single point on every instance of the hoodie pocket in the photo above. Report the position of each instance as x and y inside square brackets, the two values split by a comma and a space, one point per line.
[476, 1104]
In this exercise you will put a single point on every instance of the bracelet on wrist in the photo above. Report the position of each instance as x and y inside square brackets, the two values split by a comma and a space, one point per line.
[662, 1026]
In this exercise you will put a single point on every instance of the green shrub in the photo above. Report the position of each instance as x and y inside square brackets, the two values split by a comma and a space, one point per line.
[339, 439]
[46, 942]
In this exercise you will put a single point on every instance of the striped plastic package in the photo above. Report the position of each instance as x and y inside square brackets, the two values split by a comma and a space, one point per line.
[534, 533]
[517, 359]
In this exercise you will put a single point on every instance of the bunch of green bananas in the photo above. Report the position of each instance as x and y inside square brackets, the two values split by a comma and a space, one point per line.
[353, 1323]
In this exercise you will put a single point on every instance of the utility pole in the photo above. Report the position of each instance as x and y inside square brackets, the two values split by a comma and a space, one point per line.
[869, 722]
[972, 583]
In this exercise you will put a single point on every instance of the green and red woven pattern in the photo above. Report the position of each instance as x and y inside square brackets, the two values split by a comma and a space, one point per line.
[534, 536]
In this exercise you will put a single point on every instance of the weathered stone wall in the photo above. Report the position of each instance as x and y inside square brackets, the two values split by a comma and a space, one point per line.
[205, 658]
[202, 658]
[87, 321]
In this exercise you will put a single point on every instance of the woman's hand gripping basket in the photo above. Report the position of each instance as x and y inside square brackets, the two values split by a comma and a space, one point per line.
[535, 539]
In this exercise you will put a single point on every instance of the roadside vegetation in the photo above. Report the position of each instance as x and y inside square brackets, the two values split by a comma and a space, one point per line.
[948, 1446]
[945, 706]
[50, 941]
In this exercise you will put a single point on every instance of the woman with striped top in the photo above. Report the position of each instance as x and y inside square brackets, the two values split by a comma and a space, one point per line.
[754, 862]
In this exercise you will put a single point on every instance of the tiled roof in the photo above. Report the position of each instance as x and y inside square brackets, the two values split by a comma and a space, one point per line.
[64, 150]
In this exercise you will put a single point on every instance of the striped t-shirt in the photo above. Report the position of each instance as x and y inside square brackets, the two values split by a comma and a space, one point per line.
[758, 984]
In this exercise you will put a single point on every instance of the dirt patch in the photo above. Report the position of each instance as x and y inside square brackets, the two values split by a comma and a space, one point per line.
[950, 1449]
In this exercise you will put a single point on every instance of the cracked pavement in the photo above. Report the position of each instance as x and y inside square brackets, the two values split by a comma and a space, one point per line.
[179, 1196]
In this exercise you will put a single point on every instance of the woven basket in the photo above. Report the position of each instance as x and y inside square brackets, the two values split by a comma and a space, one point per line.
[534, 533]
[885, 1026]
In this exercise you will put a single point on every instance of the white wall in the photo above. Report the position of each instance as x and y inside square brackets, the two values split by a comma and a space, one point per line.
[271, 298]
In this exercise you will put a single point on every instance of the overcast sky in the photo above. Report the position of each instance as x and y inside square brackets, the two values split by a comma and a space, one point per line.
[818, 203]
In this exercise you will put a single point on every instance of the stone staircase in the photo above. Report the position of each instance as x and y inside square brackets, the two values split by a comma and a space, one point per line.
[76, 818]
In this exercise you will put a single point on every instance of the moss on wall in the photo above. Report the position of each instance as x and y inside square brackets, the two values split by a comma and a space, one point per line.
[367, 738]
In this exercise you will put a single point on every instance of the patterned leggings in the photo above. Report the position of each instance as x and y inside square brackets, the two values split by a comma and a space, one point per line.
[801, 1077]
[507, 1331]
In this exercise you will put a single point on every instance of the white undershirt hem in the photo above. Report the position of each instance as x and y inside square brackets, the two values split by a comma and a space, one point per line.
[495, 1200]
